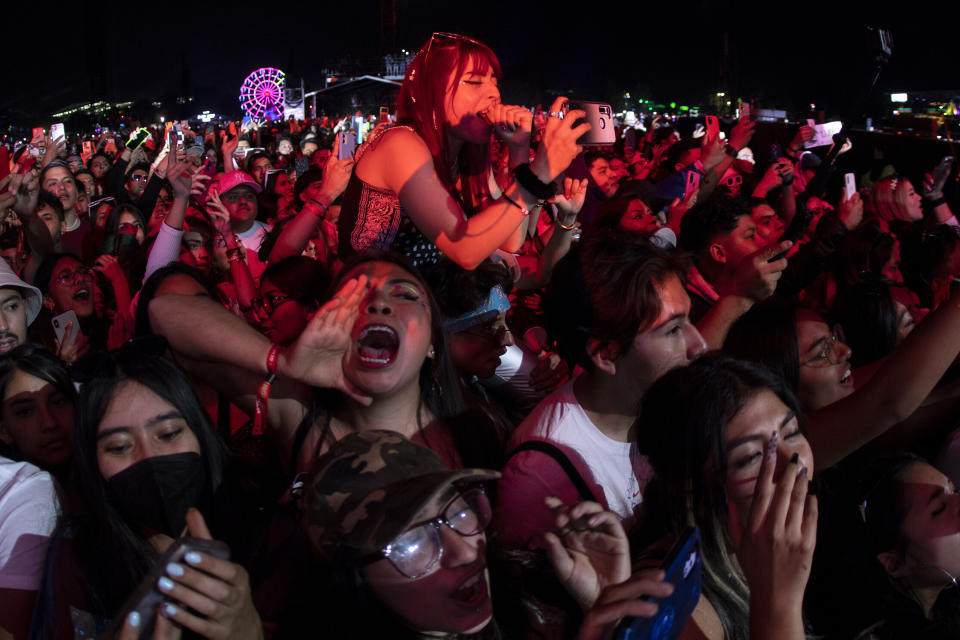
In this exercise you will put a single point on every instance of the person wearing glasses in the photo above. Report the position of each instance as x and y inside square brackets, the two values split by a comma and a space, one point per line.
[402, 540]
[424, 188]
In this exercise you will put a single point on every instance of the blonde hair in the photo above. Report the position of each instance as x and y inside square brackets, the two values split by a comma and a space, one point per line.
[889, 199]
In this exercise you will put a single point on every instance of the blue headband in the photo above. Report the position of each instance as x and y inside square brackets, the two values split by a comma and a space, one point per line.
[495, 304]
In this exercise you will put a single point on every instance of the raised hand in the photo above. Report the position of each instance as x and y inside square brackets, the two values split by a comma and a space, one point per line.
[219, 214]
[742, 133]
[851, 209]
[589, 550]
[678, 208]
[549, 373]
[623, 600]
[777, 542]
[756, 277]
[316, 358]
[210, 596]
[559, 145]
[570, 200]
[26, 187]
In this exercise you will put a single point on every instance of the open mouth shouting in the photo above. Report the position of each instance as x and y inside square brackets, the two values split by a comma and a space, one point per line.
[377, 346]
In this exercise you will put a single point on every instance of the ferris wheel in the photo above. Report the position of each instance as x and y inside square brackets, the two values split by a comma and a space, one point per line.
[261, 94]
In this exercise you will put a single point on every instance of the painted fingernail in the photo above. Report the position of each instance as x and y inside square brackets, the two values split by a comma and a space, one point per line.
[795, 458]
[133, 619]
[175, 569]
[193, 557]
[772, 444]
[169, 610]
[804, 471]
[165, 583]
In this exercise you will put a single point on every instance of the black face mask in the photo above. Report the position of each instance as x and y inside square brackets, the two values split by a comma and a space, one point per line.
[156, 492]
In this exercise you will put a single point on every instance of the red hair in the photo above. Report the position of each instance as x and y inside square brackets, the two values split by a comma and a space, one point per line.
[421, 104]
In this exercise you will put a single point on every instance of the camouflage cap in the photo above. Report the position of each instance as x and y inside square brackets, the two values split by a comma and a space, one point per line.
[369, 487]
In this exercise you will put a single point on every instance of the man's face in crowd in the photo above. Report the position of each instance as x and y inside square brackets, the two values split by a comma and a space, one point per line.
[13, 319]
[738, 244]
[769, 226]
[100, 166]
[89, 184]
[260, 168]
[60, 183]
[687, 158]
[52, 220]
[672, 341]
[618, 169]
[136, 182]
[605, 179]
[309, 148]
[241, 202]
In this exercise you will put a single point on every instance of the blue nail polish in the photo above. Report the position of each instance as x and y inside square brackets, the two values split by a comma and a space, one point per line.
[133, 619]
[193, 557]
[175, 570]
[169, 610]
[165, 583]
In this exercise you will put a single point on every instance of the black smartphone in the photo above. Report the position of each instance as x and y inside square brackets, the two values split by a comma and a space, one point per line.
[801, 220]
[138, 139]
[684, 569]
[776, 152]
[147, 596]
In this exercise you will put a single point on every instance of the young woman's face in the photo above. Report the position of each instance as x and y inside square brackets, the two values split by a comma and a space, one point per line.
[638, 218]
[129, 222]
[38, 419]
[747, 436]
[138, 424]
[392, 333]
[454, 596]
[287, 318]
[914, 202]
[71, 287]
[284, 186]
[472, 92]
[825, 374]
[477, 350]
[931, 525]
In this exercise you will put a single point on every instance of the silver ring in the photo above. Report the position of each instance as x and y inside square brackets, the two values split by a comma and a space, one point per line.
[555, 114]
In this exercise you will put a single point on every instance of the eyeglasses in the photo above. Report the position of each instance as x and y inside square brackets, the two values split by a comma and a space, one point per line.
[234, 198]
[138, 177]
[829, 352]
[69, 278]
[417, 550]
[490, 331]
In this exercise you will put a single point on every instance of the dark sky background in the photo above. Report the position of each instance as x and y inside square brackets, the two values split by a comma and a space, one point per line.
[783, 53]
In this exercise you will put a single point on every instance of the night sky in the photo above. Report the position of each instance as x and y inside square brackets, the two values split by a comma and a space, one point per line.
[783, 53]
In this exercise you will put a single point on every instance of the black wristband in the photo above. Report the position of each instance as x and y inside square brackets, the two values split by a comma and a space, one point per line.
[730, 151]
[933, 204]
[530, 182]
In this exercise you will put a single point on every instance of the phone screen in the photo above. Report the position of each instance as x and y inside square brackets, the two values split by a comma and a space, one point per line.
[684, 568]
[56, 131]
[713, 127]
[850, 182]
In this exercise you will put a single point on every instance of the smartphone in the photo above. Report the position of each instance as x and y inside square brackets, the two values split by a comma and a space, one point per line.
[301, 165]
[88, 149]
[138, 139]
[56, 131]
[713, 127]
[776, 151]
[384, 114]
[600, 116]
[693, 181]
[684, 569]
[358, 128]
[179, 131]
[743, 111]
[850, 182]
[60, 323]
[348, 144]
[147, 596]
[801, 220]
[37, 133]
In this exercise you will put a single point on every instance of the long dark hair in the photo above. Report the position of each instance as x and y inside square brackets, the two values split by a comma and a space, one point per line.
[869, 318]
[111, 554]
[767, 334]
[682, 430]
[421, 104]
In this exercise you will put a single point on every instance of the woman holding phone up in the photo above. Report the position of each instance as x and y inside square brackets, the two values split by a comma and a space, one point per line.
[425, 188]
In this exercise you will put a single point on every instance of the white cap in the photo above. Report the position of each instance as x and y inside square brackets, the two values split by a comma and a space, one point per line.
[32, 297]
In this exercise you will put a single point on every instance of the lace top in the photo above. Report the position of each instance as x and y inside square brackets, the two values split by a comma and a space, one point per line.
[372, 219]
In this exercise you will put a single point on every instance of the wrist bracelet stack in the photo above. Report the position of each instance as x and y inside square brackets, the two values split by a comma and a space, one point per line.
[263, 391]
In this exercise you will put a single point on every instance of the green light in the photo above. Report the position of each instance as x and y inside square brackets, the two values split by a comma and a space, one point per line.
[684, 107]
[673, 105]
[626, 94]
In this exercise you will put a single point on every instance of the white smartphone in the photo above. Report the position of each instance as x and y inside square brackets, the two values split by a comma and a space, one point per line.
[60, 323]
[850, 182]
[56, 131]
[744, 111]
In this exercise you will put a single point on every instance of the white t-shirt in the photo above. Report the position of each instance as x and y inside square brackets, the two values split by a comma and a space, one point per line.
[28, 514]
[614, 471]
[251, 239]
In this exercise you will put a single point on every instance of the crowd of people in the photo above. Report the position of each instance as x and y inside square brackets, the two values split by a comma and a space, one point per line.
[474, 379]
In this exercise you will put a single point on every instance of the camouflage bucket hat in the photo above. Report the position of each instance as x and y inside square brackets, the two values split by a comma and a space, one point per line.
[368, 488]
